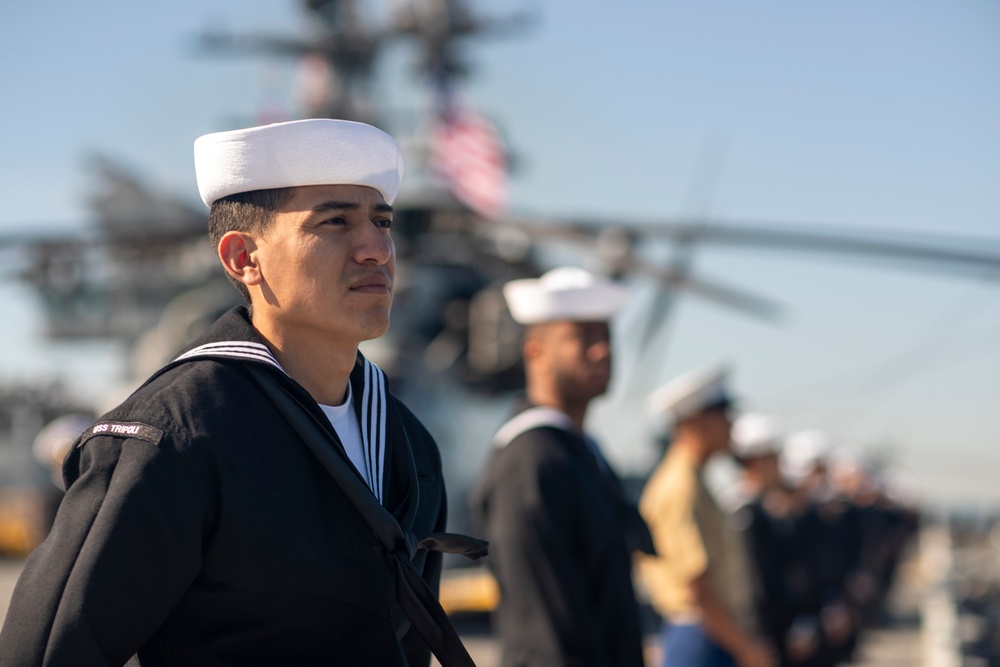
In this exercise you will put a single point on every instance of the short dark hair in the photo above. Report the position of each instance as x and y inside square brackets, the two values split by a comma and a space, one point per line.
[250, 212]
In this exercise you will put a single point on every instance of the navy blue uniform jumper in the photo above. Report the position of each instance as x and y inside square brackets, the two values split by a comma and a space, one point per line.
[197, 529]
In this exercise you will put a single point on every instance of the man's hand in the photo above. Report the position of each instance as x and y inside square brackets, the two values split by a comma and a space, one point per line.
[747, 650]
[756, 654]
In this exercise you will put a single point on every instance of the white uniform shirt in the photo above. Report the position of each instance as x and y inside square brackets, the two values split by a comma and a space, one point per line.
[345, 423]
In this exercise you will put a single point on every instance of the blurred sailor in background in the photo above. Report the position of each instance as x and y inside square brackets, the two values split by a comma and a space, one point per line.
[830, 539]
[771, 522]
[561, 530]
[700, 581]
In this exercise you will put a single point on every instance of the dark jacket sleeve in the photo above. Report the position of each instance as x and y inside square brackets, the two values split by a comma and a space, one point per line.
[539, 525]
[125, 546]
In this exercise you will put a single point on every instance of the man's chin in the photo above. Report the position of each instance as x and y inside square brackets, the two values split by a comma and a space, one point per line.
[593, 391]
[373, 327]
[601, 387]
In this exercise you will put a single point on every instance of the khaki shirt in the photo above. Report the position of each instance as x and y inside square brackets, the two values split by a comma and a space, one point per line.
[692, 536]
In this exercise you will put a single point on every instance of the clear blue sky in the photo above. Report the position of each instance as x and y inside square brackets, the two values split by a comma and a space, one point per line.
[851, 113]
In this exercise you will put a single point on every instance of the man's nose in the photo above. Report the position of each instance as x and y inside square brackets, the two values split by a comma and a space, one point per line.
[373, 245]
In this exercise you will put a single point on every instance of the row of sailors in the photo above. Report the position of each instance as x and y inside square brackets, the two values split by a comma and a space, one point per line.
[264, 499]
[789, 578]
[809, 565]
[824, 534]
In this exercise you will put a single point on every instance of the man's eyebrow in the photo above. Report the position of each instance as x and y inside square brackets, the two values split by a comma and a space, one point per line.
[335, 205]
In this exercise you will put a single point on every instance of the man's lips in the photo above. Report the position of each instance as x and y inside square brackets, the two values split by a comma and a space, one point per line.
[372, 285]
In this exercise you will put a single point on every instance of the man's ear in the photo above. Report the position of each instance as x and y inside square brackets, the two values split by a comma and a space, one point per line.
[237, 254]
[530, 345]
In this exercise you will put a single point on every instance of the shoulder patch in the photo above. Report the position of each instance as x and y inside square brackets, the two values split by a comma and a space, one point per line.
[123, 430]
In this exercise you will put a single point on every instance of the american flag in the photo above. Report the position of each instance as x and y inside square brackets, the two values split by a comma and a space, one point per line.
[467, 153]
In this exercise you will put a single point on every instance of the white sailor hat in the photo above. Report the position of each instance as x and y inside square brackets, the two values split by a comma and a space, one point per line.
[564, 294]
[317, 151]
[843, 461]
[803, 453]
[691, 393]
[755, 434]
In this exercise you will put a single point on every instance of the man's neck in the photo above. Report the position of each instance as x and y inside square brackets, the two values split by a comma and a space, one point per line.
[322, 366]
[576, 412]
[691, 448]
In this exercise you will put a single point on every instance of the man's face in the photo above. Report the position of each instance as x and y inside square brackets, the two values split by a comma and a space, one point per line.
[327, 263]
[716, 427]
[765, 468]
[579, 356]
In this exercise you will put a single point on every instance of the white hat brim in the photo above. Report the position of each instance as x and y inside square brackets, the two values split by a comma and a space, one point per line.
[317, 151]
[531, 301]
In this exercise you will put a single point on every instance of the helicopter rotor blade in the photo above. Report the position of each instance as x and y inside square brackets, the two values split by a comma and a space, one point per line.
[714, 291]
[928, 251]
[933, 249]
[223, 43]
[615, 247]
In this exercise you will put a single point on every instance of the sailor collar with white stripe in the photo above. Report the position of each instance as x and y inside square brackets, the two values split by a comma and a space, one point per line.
[532, 418]
[373, 406]
[234, 349]
[545, 417]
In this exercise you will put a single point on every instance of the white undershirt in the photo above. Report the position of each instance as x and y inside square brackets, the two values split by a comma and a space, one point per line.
[345, 423]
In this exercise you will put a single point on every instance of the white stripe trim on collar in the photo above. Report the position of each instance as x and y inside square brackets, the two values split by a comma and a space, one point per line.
[542, 417]
[374, 407]
[234, 350]
[530, 419]
[373, 423]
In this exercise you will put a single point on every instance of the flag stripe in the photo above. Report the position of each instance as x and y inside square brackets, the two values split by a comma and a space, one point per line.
[467, 154]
